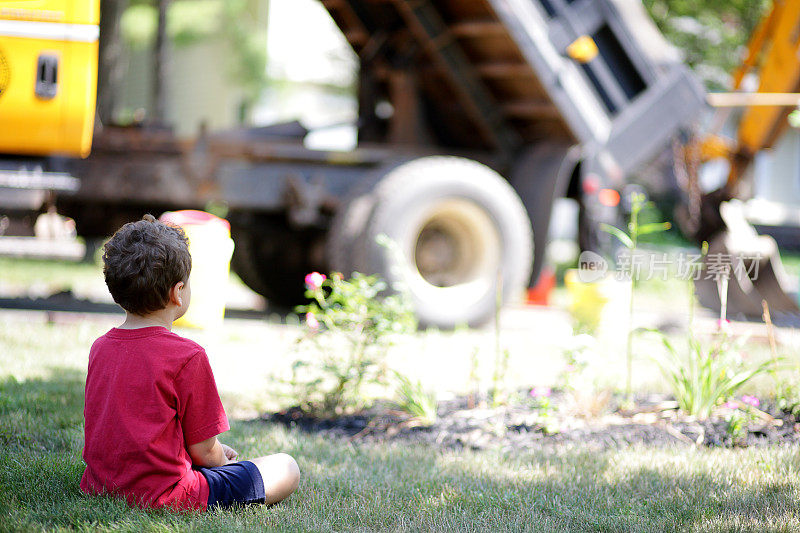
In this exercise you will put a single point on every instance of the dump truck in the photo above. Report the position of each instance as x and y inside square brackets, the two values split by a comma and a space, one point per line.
[474, 116]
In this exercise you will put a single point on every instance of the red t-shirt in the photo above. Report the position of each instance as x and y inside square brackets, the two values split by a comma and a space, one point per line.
[149, 395]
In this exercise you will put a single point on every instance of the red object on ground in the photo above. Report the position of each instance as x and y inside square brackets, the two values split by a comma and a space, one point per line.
[149, 394]
[540, 293]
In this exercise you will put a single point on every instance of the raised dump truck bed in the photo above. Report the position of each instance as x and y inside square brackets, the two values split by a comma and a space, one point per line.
[496, 74]
[472, 75]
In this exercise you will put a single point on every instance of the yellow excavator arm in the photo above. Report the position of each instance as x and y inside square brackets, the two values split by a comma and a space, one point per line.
[773, 57]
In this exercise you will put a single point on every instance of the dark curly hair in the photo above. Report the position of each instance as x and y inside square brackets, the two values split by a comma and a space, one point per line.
[143, 261]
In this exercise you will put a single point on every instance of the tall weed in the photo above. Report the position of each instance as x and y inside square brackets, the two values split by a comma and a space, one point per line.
[706, 377]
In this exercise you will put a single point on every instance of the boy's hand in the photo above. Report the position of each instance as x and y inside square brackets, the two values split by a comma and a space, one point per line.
[230, 453]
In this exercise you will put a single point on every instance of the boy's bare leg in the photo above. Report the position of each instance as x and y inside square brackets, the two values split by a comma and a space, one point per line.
[281, 476]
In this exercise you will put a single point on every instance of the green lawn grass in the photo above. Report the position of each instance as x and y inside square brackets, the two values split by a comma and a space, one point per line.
[376, 487]
[58, 275]
[47, 277]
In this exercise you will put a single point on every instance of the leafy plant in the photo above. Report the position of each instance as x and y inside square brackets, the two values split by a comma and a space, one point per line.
[706, 377]
[742, 414]
[631, 241]
[583, 396]
[540, 398]
[577, 354]
[787, 397]
[736, 425]
[787, 391]
[499, 391]
[474, 378]
[501, 356]
[416, 401]
[349, 326]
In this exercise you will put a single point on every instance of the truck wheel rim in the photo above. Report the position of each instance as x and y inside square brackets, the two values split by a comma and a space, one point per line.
[456, 248]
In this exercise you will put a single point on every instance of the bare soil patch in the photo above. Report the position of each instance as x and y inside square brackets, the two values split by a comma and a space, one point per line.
[466, 423]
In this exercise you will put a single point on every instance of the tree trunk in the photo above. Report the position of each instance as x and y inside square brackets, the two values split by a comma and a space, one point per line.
[160, 67]
[110, 72]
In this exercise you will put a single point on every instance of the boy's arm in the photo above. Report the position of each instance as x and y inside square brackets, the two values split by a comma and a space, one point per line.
[210, 453]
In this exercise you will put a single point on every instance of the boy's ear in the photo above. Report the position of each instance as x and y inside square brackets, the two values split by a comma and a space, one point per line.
[175, 293]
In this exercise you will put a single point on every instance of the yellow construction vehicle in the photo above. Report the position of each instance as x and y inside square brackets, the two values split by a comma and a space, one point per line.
[756, 272]
[773, 59]
[48, 76]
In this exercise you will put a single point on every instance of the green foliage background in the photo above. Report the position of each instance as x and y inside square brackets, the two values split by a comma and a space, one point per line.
[192, 21]
[712, 34]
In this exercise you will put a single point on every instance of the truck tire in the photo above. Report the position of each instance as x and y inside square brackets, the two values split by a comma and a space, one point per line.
[244, 263]
[348, 228]
[453, 226]
[343, 250]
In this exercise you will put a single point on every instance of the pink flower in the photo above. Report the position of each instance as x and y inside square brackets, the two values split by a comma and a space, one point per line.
[311, 321]
[724, 326]
[314, 280]
[541, 392]
[570, 368]
[751, 400]
[731, 405]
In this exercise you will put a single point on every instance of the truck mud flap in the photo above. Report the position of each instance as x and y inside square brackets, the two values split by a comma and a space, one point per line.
[539, 176]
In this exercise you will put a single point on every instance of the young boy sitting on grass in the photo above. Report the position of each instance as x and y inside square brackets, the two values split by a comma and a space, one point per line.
[152, 409]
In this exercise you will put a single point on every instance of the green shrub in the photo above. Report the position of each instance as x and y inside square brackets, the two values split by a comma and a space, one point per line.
[350, 323]
[787, 396]
[705, 377]
[740, 416]
[415, 400]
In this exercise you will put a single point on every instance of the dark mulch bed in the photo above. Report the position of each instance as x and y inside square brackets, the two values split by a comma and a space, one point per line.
[521, 427]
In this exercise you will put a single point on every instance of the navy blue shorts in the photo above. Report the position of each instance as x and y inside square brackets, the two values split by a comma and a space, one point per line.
[234, 483]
